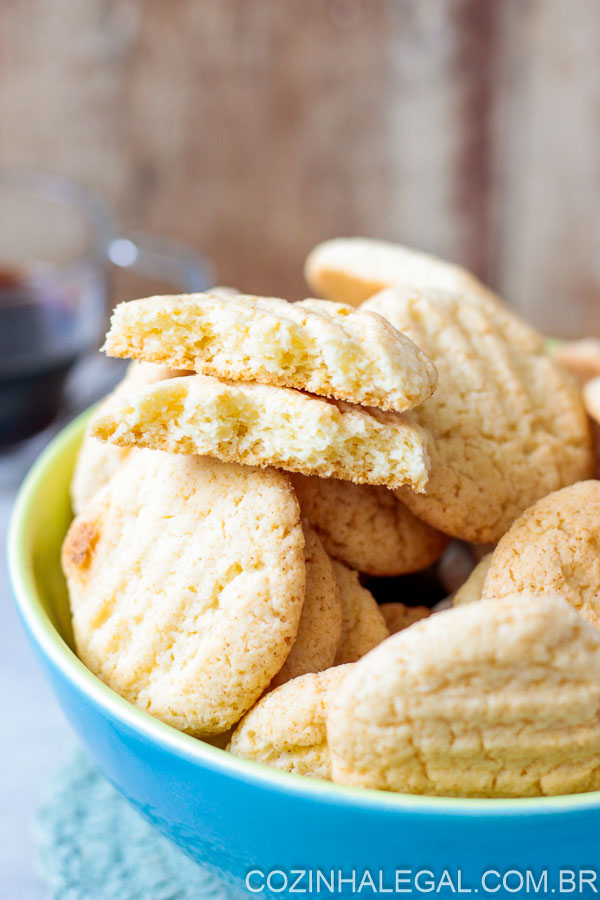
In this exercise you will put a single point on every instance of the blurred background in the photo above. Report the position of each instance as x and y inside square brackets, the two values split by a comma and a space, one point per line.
[255, 130]
[251, 131]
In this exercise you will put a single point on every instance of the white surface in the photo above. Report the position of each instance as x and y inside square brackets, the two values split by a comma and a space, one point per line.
[34, 735]
[34, 739]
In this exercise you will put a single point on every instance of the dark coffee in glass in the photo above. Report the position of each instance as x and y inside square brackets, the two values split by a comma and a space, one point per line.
[41, 337]
[57, 242]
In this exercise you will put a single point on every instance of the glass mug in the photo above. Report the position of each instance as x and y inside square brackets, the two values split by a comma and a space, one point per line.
[57, 244]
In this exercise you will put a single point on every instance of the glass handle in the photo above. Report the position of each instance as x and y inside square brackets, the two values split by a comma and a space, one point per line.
[171, 261]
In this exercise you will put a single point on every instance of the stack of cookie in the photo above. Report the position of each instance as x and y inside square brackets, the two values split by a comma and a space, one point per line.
[261, 461]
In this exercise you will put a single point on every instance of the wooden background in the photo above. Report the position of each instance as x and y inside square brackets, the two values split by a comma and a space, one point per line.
[255, 128]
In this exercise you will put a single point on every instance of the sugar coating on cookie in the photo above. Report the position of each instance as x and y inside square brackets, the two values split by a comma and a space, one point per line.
[264, 425]
[187, 579]
[472, 589]
[320, 627]
[325, 348]
[98, 461]
[352, 269]
[363, 625]
[286, 729]
[553, 548]
[507, 424]
[367, 527]
[498, 699]
[398, 616]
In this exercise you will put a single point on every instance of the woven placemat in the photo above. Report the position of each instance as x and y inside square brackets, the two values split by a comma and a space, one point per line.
[92, 845]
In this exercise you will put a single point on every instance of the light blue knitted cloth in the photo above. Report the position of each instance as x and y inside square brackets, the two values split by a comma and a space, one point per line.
[92, 845]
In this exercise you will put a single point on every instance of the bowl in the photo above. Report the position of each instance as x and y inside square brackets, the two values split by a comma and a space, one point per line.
[264, 830]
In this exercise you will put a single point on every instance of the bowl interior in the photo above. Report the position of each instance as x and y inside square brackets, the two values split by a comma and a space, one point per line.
[39, 523]
[41, 542]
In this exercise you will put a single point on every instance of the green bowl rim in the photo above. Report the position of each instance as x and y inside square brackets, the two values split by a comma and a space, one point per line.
[56, 650]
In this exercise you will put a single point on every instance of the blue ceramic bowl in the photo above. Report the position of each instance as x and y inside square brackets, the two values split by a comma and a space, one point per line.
[240, 817]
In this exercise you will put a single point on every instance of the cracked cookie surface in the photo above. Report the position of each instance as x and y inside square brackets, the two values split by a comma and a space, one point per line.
[286, 729]
[506, 424]
[264, 425]
[498, 699]
[320, 626]
[187, 579]
[554, 547]
[321, 347]
[363, 625]
[367, 527]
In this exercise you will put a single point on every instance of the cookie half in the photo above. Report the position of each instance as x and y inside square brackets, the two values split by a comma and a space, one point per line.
[186, 579]
[497, 699]
[507, 424]
[325, 348]
[366, 527]
[286, 729]
[264, 425]
[97, 461]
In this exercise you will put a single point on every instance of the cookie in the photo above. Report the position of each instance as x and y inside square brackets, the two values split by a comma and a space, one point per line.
[363, 625]
[591, 398]
[366, 527]
[186, 579]
[580, 358]
[553, 548]
[320, 627]
[507, 424]
[494, 699]
[325, 348]
[591, 401]
[472, 589]
[397, 616]
[286, 728]
[97, 461]
[352, 269]
[264, 425]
